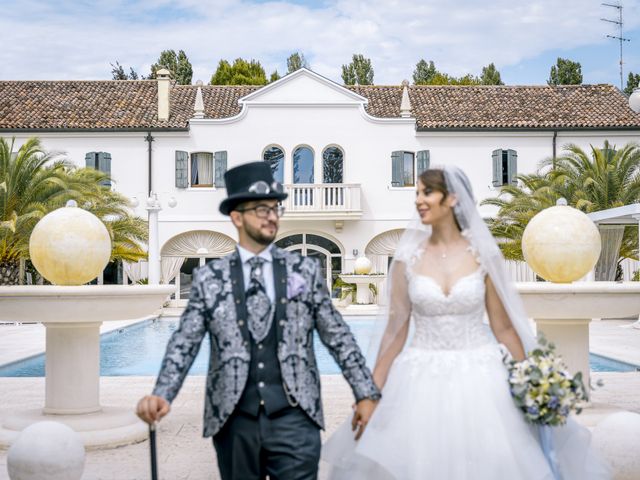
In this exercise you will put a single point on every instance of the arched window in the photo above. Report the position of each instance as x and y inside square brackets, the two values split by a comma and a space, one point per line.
[303, 165]
[322, 248]
[332, 165]
[274, 156]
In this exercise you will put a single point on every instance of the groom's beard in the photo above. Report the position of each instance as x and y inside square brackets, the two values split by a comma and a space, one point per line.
[261, 237]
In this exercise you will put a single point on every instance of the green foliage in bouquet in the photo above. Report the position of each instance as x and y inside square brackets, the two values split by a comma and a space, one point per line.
[542, 387]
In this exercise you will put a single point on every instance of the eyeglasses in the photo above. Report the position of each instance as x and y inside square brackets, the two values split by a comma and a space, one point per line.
[261, 187]
[263, 211]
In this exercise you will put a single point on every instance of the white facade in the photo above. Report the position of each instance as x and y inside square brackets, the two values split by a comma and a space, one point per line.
[304, 109]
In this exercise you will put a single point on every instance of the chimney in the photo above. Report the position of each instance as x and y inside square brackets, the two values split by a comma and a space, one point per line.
[163, 93]
[405, 105]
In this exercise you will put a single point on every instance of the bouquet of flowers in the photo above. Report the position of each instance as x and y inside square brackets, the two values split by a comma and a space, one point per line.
[544, 390]
[542, 387]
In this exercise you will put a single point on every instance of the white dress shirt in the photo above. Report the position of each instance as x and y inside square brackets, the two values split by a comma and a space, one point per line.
[267, 270]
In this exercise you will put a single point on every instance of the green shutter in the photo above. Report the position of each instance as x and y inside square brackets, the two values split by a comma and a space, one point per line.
[397, 169]
[423, 159]
[512, 156]
[220, 168]
[104, 165]
[182, 167]
[497, 167]
[90, 160]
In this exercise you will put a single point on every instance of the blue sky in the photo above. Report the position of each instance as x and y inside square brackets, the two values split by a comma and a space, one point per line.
[75, 39]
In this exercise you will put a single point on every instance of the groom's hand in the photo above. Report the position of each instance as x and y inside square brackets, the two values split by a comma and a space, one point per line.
[363, 411]
[152, 408]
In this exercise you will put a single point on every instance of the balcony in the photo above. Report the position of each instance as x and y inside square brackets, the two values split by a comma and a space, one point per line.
[330, 201]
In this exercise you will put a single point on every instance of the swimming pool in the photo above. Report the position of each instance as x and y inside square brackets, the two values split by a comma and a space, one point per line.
[138, 350]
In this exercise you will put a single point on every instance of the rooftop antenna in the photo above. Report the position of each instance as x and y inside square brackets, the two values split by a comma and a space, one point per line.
[619, 37]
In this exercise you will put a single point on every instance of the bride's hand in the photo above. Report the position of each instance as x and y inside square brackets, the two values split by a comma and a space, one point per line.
[363, 411]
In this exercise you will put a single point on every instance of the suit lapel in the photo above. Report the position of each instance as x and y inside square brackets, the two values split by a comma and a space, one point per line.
[280, 283]
[237, 281]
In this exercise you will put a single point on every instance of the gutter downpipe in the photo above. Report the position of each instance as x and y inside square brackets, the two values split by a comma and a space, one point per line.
[149, 139]
[555, 136]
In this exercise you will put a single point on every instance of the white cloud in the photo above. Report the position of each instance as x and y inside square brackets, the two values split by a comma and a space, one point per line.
[78, 40]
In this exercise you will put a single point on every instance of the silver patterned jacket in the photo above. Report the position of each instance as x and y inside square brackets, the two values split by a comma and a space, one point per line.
[217, 293]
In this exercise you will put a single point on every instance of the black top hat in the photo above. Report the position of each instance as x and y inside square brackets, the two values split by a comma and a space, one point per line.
[250, 181]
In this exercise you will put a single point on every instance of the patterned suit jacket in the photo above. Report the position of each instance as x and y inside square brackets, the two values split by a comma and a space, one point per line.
[217, 293]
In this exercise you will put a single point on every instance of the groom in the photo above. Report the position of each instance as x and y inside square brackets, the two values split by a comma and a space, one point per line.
[260, 306]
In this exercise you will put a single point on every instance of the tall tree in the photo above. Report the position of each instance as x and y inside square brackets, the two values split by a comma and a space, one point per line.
[633, 81]
[358, 72]
[177, 63]
[296, 61]
[445, 79]
[565, 72]
[274, 76]
[490, 75]
[424, 72]
[118, 73]
[242, 72]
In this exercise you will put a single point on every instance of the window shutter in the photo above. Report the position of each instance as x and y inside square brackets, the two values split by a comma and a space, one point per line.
[220, 168]
[497, 167]
[423, 158]
[182, 167]
[512, 156]
[104, 165]
[397, 170]
[90, 160]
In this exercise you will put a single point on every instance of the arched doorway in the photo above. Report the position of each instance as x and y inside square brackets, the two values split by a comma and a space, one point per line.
[381, 248]
[186, 251]
[326, 250]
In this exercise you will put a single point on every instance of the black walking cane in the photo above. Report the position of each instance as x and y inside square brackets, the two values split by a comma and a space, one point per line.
[152, 447]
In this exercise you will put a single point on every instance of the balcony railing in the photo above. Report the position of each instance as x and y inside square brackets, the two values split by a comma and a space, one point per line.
[334, 201]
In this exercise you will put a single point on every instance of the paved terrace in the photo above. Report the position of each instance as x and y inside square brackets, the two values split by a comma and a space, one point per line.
[184, 454]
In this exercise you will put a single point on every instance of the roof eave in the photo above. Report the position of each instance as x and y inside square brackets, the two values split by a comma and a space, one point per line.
[94, 130]
[525, 129]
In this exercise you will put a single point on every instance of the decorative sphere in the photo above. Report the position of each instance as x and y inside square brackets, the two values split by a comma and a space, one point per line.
[70, 246]
[634, 100]
[561, 244]
[616, 438]
[46, 451]
[362, 266]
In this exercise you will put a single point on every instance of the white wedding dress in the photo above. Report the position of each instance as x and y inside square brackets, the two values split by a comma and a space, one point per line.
[446, 412]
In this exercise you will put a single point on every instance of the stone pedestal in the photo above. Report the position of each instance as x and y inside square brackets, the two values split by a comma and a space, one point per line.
[72, 317]
[72, 386]
[563, 312]
[363, 294]
[571, 337]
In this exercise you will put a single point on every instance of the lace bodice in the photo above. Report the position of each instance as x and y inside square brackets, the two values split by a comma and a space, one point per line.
[453, 321]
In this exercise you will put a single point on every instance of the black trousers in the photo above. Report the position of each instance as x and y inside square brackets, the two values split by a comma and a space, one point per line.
[285, 446]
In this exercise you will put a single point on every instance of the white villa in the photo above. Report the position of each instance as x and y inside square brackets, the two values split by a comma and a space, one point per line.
[349, 156]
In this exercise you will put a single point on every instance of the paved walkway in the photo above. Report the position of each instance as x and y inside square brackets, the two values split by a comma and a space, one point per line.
[184, 454]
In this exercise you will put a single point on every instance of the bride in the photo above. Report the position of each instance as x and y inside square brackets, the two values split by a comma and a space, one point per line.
[446, 412]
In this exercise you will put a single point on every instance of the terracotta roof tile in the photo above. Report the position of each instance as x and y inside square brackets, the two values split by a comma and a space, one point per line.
[132, 104]
[531, 107]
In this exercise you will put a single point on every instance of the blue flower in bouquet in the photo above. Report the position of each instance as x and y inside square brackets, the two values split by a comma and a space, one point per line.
[542, 387]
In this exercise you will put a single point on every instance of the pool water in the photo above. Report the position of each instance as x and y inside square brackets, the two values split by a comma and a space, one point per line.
[138, 350]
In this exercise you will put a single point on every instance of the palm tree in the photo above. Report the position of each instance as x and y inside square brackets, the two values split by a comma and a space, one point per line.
[27, 187]
[128, 233]
[34, 182]
[606, 178]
